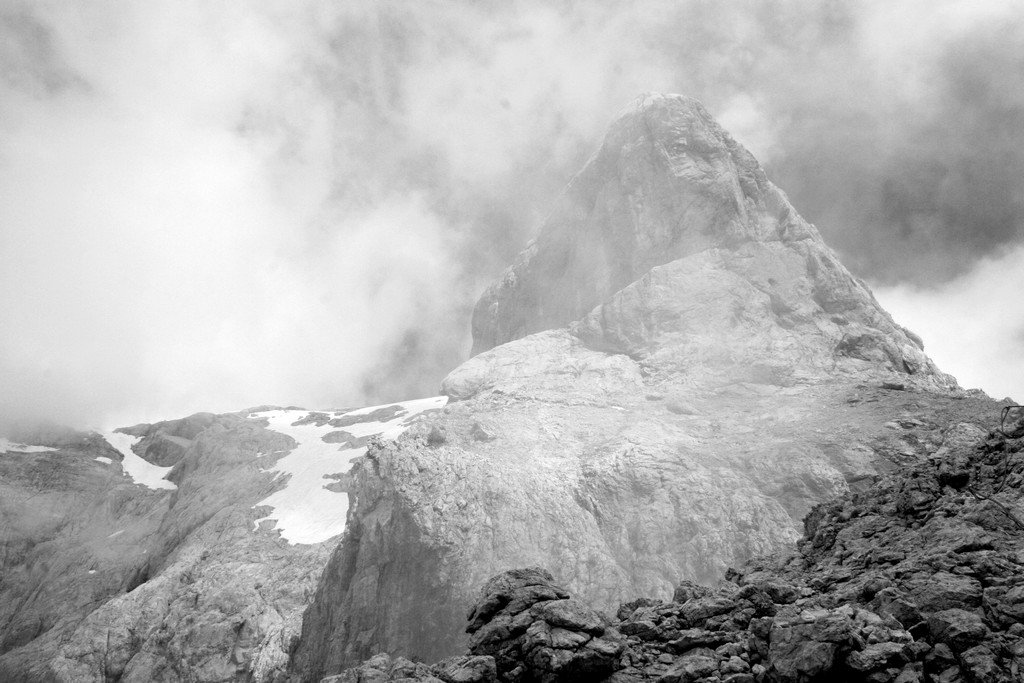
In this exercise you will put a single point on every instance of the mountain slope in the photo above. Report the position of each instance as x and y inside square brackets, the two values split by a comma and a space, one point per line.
[665, 382]
[111, 572]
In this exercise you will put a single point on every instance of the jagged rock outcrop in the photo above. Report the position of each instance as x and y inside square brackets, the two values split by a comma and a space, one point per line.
[524, 629]
[670, 186]
[666, 381]
[667, 182]
[163, 552]
[535, 631]
[673, 248]
[914, 580]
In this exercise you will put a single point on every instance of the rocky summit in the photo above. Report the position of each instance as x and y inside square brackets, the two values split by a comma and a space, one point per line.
[721, 459]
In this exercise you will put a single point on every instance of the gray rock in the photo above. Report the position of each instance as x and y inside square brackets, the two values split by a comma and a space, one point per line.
[982, 665]
[671, 267]
[877, 656]
[382, 668]
[104, 578]
[534, 635]
[671, 180]
[957, 628]
[690, 668]
[466, 669]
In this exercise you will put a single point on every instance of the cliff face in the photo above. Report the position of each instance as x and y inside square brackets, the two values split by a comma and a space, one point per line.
[667, 182]
[175, 551]
[916, 579]
[665, 382]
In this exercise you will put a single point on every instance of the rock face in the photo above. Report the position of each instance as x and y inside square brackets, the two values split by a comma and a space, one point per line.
[667, 182]
[535, 632]
[670, 186]
[911, 580]
[665, 383]
[61, 498]
[104, 578]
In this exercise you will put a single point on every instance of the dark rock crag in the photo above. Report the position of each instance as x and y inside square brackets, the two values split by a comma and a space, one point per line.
[917, 579]
[665, 383]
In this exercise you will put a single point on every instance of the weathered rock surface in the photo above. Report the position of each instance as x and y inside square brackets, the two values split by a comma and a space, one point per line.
[720, 374]
[666, 183]
[535, 632]
[103, 579]
[670, 186]
[867, 598]
[59, 506]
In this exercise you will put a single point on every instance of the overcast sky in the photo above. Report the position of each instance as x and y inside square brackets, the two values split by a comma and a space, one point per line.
[207, 206]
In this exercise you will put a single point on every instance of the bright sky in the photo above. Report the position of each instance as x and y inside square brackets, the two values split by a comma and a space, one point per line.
[207, 206]
[972, 326]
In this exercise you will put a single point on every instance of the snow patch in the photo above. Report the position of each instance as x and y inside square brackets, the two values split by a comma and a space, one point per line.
[141, 471]
[305, 511]
[104, 460]
[12, 447]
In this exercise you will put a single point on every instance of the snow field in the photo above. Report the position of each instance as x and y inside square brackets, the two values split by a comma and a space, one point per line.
[11, 447]
[141, 472]
[305, 511]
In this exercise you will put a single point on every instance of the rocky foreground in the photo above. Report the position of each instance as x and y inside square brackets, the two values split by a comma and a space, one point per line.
[918, 578]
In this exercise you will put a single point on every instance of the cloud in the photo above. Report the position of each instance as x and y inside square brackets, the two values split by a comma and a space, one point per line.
[971, 324]
[207, 206]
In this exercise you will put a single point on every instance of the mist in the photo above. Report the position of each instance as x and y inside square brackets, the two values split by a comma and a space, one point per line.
[212, 206]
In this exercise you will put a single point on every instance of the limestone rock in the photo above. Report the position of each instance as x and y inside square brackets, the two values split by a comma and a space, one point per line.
[799, 617]
[782, 312]
[666, 183]
[674, 374]
[524, 629]
[672, 237]
[165, 443]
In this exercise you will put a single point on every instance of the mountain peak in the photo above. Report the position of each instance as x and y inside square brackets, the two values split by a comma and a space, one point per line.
[673, 247]
[667, 181]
